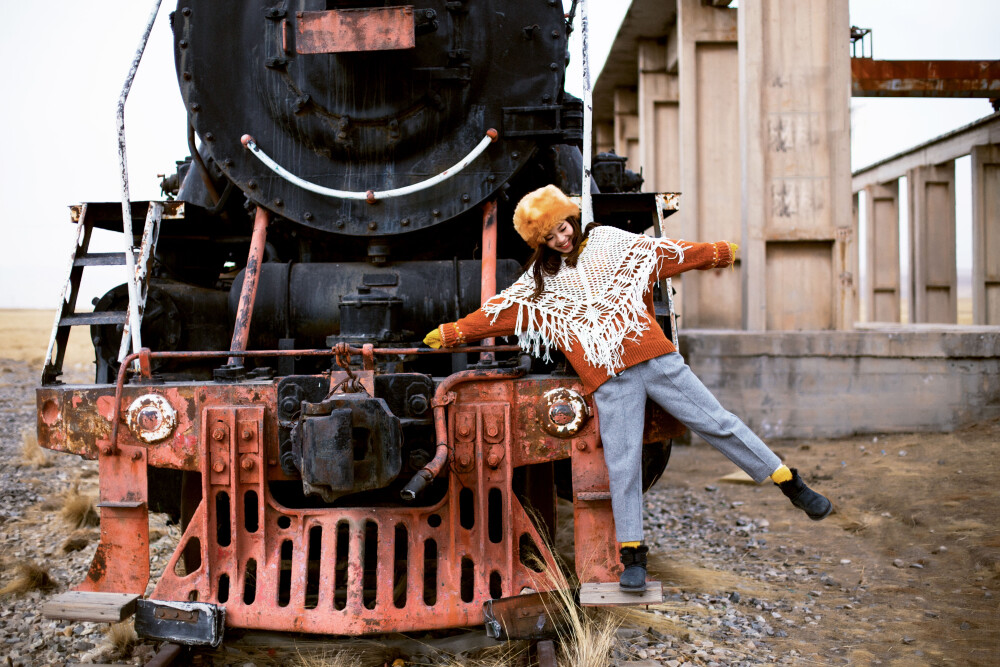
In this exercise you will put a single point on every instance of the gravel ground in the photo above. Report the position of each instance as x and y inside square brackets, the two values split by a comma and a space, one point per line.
[747, 580]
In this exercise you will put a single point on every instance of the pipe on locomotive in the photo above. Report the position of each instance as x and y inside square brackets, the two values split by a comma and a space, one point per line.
[369, 195]
[442, 397]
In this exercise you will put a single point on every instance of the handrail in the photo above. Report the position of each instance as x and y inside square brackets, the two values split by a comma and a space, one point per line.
[133, 287]
[370, 196]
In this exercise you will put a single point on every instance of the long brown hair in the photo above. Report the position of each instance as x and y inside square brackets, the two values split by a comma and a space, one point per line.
[546, 262]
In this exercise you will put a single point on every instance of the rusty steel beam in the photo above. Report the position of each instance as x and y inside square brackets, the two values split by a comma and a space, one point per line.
[925, 78]
[488, 280]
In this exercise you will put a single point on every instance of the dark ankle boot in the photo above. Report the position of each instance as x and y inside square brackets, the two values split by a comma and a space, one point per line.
[815, 505]
[633, 579]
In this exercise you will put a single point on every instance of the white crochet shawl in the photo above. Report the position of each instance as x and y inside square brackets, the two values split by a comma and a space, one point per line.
[598, 304]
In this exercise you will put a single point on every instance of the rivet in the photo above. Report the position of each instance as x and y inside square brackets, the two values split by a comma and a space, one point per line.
[106, 450]
[228, 162]
[581, 445]
[340, 224]
[136, 455]
[252, 184]
[195, 106]
[183, 43]
[209, 136]
[372, 225]
[307, 215]
[247, 434]
[436, 213]
[553, 66]
[555, 33]
[186, 76]
[405, 222]
[492, 431]
[186, 11]
[465, 460]
[515, 155]
[279, 202]
[466, 198]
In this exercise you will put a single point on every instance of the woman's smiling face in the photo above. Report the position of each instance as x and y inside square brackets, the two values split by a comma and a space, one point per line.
[560, 238]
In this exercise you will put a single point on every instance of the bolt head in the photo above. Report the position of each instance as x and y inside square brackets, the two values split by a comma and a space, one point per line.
[136, 455]
[219, 466]
[247, 434]
[581, 445]
[493, 460]
[219, 433]
[465, 460]
[246, 463]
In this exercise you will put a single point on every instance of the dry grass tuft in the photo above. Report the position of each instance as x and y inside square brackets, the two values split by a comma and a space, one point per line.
[28, 577]
[78, 510]
[78, 539]
[31, 452]
[587, 635]
[122, 637]
[326, 658]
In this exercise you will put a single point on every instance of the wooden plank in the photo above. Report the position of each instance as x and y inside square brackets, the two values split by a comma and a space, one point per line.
[94, 607]
[610, 595]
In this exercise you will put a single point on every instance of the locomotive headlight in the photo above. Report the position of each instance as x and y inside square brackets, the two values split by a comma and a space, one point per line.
[151, 418]
[562, 412]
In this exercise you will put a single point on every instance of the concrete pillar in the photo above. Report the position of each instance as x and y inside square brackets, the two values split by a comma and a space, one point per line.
[794, 66]
[933, 270]
[709, 155]
[659, 129]
[627, 124]
[986, 234]
[604, 137]
[882, 261]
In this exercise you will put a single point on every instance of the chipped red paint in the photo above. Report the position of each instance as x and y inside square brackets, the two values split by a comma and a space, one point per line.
[344, 30]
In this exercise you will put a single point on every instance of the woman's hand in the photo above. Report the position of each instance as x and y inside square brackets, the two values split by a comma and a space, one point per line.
[433, 339]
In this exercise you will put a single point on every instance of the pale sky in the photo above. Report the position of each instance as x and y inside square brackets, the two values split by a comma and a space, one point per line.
[64, 69]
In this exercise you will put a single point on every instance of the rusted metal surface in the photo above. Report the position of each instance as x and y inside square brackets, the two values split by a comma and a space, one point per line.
[440, 402]
[244, 312]
[562, 412]
[925, 78]
[361, 570]
[593, 522]
[151, 418]
[345, 30]
[355, 570]
[527, 616]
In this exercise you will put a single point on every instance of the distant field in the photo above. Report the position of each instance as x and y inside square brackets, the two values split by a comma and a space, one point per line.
[24, 336]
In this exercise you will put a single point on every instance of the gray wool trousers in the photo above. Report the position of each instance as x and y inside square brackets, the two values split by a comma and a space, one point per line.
[669, 382]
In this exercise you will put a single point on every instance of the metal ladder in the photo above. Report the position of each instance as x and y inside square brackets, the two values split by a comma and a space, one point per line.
[67, 317]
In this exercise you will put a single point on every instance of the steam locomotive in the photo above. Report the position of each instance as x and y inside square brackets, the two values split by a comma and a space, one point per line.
[349, 163]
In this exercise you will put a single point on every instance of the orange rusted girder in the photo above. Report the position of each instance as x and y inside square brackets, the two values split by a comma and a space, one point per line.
[925, 78]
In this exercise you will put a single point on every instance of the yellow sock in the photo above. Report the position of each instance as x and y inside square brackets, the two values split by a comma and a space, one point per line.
[630, 544]
[782, 474]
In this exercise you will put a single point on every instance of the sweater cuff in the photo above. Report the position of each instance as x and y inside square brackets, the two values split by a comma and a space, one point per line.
[451, 335]
[723, 255]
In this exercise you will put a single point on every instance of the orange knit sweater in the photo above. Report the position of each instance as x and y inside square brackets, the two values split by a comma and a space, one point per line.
[649, 344]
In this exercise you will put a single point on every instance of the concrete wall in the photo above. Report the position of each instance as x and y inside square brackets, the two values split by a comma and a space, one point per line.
[836, 383]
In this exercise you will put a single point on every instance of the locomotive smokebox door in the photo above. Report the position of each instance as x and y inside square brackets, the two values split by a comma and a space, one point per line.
[347, 444]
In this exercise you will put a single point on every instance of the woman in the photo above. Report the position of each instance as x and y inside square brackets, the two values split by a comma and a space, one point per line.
[589, 294]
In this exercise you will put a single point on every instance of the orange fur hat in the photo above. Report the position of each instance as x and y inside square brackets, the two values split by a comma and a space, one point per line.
[540, 211]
